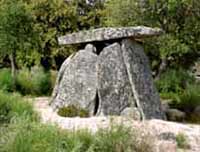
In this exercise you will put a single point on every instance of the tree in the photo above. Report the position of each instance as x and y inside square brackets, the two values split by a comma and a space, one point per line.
[180, 19]
[16, 30]
[120, 13]
[55, 18]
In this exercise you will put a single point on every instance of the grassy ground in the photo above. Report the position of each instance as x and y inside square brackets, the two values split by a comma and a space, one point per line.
[21, 131]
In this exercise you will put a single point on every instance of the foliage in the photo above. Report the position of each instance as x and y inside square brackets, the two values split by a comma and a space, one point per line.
[24, 135]
[6, 83]
[182, 141]
[28, 59]
[35, 81]
[174, 80]
[172, 47]
[29, 82]
[16, 30]
[189, 99]
[13, 105]
[181, 39]
[120, 13]
[54, 18]
[72, 111]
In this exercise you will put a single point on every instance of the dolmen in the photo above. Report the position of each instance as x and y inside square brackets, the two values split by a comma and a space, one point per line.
[110, 75]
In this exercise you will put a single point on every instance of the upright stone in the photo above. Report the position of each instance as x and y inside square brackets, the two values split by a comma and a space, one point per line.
[117, 81]
[114, 89]
[77, 81]
[140, 77]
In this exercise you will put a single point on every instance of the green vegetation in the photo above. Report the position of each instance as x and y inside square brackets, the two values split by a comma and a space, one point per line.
[16, 30]
[182, 141]
[189, 99]
[35, 82]
[20, 131]
[23, 136]
[6, 82]
[29, 32]
[174, 80]
[175, 48]
[29, 52]
[182, 90]
[13, 105]
[72, 111]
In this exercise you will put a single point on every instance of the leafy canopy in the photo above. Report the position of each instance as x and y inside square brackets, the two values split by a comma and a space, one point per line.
[16, 27]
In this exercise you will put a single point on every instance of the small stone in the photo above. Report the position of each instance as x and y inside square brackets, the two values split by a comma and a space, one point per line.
[197, 111]
[167, 136]
[131, 112]
[165, 106]
[91, 48]
[175, 115]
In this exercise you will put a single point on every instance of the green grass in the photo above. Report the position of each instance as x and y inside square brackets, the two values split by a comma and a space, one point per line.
[35, 82]
[6, 82]
[20, 131]
[189, 99]
[27, 136]
[186, 101]
[174, 81]
[13, 105]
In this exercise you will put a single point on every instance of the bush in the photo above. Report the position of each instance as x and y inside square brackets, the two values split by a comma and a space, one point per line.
[34, 82]
[35, 137]
[72, 111]
[41, 81]
[24, 82]
[189, 99]
[174, 81]
[13, 105]
[182, 141]
[6, 82]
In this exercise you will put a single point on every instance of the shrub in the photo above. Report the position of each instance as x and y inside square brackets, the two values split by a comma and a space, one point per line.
[6, 82]
[41, 81]
[13, 105]
[174, 80]
[24, 82]
[34, 82]
[189, 99]
[182, 141]
[72, 111]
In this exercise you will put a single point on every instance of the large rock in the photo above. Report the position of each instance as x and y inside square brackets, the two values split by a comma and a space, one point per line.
[197, 111]
[140, 77]
[114, 88]
[77, 81]
[117, 81]
[175, 115]
[103, 34]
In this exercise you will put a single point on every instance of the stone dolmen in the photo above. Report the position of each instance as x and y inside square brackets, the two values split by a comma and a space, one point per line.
[110, 75]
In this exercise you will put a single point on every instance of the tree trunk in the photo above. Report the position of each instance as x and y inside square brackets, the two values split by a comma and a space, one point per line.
[13, 68]
[162, 68]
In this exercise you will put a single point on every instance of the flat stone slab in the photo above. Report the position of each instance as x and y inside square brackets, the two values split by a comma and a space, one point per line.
[103, 34]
